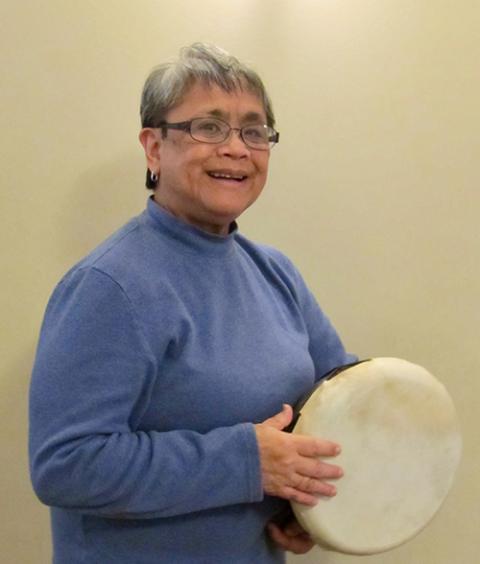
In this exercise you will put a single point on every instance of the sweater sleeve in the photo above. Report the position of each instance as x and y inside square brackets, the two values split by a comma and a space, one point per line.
[325, 346]
[92, 377]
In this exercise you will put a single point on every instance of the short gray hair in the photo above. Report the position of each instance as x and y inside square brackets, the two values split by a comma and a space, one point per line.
[207, 64]
[167, 84]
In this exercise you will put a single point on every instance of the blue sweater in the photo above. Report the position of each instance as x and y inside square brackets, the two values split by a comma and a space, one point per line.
[157, 354]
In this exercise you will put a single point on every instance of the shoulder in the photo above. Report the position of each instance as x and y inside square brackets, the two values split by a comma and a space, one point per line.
[126, 257]
[87, 287]
[118, 244]
[115, 254]
[130, 268]
[268, 253]
[274, 263]
[273, 256]
[93, 274]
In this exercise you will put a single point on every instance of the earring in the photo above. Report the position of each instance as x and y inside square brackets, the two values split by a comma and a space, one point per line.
[153, 176]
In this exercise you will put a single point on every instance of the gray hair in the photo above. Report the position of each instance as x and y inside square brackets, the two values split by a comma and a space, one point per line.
[168, 83]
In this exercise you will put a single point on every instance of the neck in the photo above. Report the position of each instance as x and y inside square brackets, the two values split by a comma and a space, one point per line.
[221, 229]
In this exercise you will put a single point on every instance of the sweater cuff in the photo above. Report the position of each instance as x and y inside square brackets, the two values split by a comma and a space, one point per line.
[254, 473]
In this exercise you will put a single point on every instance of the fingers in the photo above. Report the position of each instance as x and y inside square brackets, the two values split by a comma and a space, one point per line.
[314, 486]
[308, 488]
[310, 446]
[317, 469]
[293, 538]
[299, 496]
[281, 419]
[290, 464]
[308, 482]
[293, 529]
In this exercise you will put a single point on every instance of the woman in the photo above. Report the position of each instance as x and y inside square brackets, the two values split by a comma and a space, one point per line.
[169, 356]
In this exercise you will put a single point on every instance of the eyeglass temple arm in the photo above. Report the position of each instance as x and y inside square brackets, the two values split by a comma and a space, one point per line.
[183, 125]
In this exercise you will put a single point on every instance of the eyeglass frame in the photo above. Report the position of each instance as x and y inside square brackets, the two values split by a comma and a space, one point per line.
[187, 127]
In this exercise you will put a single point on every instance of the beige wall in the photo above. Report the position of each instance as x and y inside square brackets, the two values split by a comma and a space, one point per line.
[373, 189]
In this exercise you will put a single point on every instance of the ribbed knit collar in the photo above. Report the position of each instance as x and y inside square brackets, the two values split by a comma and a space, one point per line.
[186, 237]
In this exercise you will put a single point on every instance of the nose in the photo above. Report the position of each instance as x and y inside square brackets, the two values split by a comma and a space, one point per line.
[234, 145]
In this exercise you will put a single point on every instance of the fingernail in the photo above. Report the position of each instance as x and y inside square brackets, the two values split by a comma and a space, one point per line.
[338, 449]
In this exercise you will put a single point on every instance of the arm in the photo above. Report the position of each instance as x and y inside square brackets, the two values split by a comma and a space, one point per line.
[92, 379]
[325, 347]
[290, 464]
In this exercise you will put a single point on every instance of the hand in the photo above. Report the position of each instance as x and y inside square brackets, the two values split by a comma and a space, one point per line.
[289, 463]
[291, 537]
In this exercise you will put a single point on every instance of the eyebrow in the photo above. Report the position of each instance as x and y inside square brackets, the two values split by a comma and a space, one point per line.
[247, 118]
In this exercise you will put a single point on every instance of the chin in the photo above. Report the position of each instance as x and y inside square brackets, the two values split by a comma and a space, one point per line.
[228, 210]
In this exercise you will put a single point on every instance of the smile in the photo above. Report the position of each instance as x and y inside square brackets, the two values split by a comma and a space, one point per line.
[238, 176]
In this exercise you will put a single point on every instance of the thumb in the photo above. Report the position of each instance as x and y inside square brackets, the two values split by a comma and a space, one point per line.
[281, 419]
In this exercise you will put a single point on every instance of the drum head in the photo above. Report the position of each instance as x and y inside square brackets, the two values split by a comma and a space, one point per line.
[401, 446]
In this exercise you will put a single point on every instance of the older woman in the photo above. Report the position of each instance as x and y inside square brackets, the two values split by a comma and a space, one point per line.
[169, 357]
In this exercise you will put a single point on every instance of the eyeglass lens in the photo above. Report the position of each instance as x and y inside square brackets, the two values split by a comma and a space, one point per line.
[211, 130]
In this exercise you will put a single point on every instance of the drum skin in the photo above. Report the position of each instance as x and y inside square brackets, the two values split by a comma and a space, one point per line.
[401, 446]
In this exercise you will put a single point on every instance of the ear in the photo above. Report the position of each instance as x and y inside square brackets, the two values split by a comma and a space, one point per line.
[151, 142]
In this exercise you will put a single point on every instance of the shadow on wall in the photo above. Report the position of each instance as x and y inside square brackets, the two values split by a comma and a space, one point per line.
[26, 530]
[100, 200]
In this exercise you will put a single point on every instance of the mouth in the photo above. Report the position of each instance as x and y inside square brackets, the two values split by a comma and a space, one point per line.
[228, 175]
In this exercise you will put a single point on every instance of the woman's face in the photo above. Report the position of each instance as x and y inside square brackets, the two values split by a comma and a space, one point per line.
[187, 187]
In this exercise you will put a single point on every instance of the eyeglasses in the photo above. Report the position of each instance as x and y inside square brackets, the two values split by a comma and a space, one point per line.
[214, 130]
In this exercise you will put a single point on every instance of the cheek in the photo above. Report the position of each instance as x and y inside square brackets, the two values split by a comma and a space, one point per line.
[194, 163]
[188, 172]
[262, 167]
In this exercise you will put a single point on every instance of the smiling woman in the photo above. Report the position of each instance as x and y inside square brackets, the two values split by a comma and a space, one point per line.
[208, 184]
[206, 117]
[170, 355]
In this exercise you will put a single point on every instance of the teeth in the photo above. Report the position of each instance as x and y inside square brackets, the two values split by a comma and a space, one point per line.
[224, 175]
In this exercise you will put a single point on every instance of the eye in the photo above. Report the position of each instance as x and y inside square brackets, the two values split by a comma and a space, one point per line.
[256, 133]
[207, 127]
